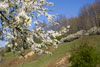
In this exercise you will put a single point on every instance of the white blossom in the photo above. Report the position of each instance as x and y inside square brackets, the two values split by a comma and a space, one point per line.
[42, 0]
[68, 26]
[16, 44]
[35, 22]
[17, 28]
[9, 45]
[47, 52]
[3, 6]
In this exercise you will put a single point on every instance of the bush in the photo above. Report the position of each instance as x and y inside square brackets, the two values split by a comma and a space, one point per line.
[62, 36]
[84, 56]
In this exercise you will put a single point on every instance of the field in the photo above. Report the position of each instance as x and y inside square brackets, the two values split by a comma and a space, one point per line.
[11, 60]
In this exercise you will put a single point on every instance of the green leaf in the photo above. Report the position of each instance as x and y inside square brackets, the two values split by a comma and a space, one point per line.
[28, 20]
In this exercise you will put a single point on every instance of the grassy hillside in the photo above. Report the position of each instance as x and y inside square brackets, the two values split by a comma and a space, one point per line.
[50, 60]
[44, 60]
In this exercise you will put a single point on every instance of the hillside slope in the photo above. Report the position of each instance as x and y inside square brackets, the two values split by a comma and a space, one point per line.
[51, 60]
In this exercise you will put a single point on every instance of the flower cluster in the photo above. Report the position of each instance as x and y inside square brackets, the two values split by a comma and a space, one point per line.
[18, 15]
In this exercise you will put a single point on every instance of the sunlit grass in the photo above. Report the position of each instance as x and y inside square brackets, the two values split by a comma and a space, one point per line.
[44, 60]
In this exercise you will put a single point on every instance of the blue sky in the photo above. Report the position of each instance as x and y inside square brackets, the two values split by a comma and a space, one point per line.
[69, 7]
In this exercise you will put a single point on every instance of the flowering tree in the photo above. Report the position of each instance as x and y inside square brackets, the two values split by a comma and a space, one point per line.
[18, 15]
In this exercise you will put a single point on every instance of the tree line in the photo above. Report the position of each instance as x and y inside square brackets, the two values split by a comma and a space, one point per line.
[88, 17]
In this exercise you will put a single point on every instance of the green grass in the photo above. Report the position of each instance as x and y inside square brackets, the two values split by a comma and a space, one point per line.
[62, 50]
[44, 60]
[11, 55]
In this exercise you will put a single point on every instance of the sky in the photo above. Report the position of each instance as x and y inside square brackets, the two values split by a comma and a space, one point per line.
[68, 8]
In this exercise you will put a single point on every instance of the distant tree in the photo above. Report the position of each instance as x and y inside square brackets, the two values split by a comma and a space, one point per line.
[63, 22]
[74, 24]
[88, 17]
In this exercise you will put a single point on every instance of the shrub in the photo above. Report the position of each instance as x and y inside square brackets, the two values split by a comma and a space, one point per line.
[62, 36]
[84, 56]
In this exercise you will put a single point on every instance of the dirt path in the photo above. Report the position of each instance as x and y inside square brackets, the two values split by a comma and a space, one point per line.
[62, 62]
